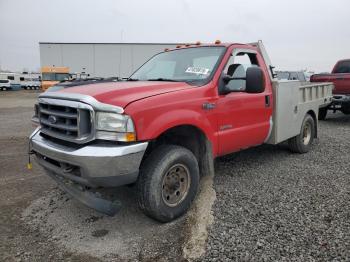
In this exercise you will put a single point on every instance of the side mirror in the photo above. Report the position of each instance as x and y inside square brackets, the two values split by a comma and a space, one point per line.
[224, 79]
[255, 80]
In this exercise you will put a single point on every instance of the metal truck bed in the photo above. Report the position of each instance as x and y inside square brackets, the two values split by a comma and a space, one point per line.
[292, 100]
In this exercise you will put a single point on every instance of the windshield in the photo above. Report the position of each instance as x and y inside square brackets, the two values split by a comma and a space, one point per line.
[55, 76]
[190, 64]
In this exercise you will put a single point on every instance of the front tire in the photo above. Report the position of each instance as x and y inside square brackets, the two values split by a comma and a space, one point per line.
[168, 182]
[302, 142]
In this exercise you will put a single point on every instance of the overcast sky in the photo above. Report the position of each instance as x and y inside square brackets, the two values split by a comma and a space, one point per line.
[298, 34]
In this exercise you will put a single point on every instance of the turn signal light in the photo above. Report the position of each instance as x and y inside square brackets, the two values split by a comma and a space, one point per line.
[129, 137]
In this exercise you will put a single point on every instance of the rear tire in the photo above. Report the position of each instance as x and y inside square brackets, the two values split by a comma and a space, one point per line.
[322, 113]
[168, 182]
[302, 142]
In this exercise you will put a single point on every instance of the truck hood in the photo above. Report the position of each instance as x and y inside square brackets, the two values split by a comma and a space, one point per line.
[123, 93]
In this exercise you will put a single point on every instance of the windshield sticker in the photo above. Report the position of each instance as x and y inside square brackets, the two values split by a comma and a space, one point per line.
[197, 70]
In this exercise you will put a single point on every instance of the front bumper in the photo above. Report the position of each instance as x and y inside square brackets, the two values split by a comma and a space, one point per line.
[95, 165]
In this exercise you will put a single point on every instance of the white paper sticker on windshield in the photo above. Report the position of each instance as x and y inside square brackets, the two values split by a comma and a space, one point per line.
[197, 70]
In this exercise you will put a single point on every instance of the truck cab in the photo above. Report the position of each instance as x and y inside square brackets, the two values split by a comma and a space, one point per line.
[51, 75]
[163, 127]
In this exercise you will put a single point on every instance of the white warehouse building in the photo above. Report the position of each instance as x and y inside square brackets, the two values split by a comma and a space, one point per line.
[99, 59]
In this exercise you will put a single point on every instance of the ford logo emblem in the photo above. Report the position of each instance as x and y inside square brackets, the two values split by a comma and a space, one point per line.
[52, 119]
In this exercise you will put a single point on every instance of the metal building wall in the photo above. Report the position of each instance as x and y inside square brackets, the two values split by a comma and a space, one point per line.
[98, 59]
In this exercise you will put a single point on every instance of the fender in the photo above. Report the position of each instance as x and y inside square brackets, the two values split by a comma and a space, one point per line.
[167, 120]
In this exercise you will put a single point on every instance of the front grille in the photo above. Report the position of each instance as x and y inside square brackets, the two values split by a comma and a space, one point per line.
[67, 121]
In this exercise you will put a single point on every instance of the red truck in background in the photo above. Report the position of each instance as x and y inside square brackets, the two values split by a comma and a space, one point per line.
[163, 127]
[340, 76]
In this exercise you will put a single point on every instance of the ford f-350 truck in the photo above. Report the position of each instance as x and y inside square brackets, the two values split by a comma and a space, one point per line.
[163, 127]
[340, 76]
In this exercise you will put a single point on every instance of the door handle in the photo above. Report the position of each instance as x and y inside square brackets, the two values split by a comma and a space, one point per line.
[267, 101]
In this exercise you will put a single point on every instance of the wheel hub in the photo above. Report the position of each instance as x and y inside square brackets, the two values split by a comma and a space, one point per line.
[307, 134]
[176, 184]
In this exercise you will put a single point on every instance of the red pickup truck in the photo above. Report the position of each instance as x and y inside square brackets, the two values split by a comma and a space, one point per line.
[163, 127]
[340, 76]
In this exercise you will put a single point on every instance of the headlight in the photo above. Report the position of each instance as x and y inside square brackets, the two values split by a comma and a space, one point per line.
[112, 126]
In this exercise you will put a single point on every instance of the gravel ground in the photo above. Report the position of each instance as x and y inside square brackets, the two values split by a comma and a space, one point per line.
[274, 205]
[269, 205]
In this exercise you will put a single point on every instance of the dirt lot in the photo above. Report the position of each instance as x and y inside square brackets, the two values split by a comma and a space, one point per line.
[38, 221]
[270, 205]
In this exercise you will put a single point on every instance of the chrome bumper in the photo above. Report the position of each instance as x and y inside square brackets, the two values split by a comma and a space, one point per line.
[99, 165]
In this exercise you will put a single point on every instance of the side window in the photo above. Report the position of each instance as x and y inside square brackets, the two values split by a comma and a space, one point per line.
[10, 77]
[237, 68]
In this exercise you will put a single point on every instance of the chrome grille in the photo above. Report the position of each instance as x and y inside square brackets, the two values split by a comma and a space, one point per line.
[67, 120]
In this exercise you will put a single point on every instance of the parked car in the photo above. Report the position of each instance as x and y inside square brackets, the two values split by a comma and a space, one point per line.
[340, 76]
[163, 127]
[5, 84]
[292, 75]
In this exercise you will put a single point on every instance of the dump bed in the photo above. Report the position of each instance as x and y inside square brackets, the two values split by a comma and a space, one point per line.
[292, 101]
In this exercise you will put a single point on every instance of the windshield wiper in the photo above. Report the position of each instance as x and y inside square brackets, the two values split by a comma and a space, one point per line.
[132, 79]
[163, 79]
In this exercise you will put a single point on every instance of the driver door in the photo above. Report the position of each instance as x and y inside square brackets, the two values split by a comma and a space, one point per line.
[244, 118]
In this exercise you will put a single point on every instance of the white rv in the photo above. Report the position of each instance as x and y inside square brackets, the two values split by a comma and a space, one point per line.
[9, 81]
[30, 81]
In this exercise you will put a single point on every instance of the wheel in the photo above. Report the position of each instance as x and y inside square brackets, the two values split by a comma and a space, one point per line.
[4, 88]
[302, 142]
[322, 113]
[168, 182]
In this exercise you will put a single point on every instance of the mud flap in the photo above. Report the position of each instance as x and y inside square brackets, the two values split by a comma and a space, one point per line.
[89, 199]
